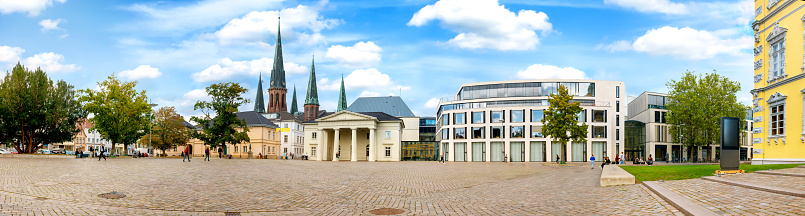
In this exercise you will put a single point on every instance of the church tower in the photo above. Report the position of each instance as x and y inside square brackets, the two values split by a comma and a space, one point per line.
[312, 97]
[294, 107]
[342, 97]
[259, 105]
[277, 91]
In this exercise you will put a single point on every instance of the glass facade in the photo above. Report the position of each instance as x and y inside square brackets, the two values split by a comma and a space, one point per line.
[517, 132]
[426, 148]
[517, 116]
[533, 89]
[635, 143]
[497, 116]
[537, 115]
[478, 132]
[477, 117]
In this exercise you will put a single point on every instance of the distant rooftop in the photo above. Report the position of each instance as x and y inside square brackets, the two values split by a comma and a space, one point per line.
[392, 105]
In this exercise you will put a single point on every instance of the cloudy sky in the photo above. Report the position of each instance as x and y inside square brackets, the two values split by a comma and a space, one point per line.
[422, 50]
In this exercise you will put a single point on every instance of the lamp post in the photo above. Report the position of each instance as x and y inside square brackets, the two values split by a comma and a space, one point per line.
[503, 138]
[150, 125]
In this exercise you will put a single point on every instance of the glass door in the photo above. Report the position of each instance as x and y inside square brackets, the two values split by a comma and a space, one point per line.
[478, 151]
[599, 150]
[538, 151]
[517, 151]
[556, 149]
[579, 152]
[460, 152]
[496, 151]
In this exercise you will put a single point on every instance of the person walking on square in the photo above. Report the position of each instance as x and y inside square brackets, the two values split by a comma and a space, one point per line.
[186, 154]
[91, 152]
[592, 162]
[623, 159]
[207, 153]
[557, 159]
[102, 155]
[220, 152]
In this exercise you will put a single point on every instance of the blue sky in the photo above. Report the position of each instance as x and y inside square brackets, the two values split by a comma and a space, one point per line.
[421, 50]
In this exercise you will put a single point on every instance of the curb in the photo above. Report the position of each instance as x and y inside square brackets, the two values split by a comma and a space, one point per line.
[780, 173]
[684, 205]
[766, 188]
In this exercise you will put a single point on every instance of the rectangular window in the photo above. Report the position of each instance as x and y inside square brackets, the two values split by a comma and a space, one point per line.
[445, 134]
[313, 135]
[236, 148]
[617, 120]
[478, 132]
[497, 116]
[536, 131]
[388, 134]
[777, 55]
[537, 115]
[477, 117]
[517, 116]
[617, 134]
[662, 119]
[286, 138]
[599, 116]
[617, 106]
[599, 132]
[617, 92]
[777, 119]
[582, 116]
[517, 132]
[388, 151]
[458, 118]
[497, 132]
[459, 133]
[285, 125]
[445, 121]
[313, 151]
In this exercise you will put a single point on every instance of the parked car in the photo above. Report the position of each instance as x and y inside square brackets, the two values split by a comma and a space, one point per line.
[13, 151]
[57, 151]
[43, 151]
[3, 151]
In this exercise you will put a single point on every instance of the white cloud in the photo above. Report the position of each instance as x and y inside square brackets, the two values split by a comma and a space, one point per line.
[367, 78]
[227, 68]
[48, 24]
[362, 55]
[651, 6]
[433, 103]
[616, 46]
[203, 14]
[10, 54]
[49, 62]
[302, 23]
[32, 7]
[369, 94]
[539, 71]
[685, 43]
[485, 24]
[142, 71]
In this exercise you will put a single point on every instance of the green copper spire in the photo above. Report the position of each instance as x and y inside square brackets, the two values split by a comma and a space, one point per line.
[259, 105]
[278, 73]
[294, 108]
[312, 96]
[342, 98]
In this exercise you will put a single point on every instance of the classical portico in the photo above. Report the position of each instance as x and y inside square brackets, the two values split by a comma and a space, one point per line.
[351, 136]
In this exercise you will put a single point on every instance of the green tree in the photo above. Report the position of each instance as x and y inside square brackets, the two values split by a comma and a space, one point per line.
[121, 113]
[222, 128]
[696, 104]
[561, 120]
[168, 130]
[34, 111]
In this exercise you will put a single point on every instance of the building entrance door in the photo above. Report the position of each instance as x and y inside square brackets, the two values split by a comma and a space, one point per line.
[460, 151]
[580, 152]
[496, 151]
[537, 151]
[517, 151]
[478, 151]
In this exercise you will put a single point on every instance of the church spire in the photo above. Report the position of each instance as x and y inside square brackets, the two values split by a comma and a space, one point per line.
[278, 73]
[312, 96]
[294, 109]
[342, 97]
[259, 105]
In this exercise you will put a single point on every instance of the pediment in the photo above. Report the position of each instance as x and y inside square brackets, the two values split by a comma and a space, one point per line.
[347, 116]
[776, 32]
[776, 97]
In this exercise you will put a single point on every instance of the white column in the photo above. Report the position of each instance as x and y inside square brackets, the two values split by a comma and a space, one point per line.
[322, 146]
[802, 138]
[354, 155]
[336, 143]
[372, 151]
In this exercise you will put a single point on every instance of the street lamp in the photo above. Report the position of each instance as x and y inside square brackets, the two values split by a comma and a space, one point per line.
[150, 126]
[503, 138]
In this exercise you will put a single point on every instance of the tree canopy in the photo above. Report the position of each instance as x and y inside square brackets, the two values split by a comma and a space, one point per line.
[561, 120]
[168, 130]
[220, 122]
[34, 111]
[696, 104]
[121, 114]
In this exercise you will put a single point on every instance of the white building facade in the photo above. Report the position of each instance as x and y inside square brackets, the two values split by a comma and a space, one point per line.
[292, 135]
[490, 121]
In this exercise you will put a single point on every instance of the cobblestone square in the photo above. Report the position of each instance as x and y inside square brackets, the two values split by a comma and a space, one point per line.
[280, 187]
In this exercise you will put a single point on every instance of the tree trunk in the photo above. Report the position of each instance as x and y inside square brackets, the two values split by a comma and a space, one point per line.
[564, 153]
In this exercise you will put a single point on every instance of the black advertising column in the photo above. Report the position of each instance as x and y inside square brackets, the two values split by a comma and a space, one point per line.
[730, 148]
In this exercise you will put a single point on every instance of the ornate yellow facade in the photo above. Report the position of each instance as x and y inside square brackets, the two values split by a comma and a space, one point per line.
[778, 116]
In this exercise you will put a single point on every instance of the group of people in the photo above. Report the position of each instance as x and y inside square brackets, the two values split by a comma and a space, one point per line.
[101, 153]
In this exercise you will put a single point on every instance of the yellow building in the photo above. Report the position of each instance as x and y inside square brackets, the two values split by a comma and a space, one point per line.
[778, 130]
[264, 139]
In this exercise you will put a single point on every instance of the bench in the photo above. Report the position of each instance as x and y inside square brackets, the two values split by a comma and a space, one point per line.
[614, 175]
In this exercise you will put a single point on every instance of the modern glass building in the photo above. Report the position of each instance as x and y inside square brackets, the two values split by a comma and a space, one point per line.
[427, 147]
[497, 121]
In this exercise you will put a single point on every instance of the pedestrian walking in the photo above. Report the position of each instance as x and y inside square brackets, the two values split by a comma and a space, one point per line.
[220, 152]
[91, 152]
[207, 153]
[623, 159]
[557, 158]
[186, 154]
[441, 159]
[102, 154]
[592, 162]
[505, 158]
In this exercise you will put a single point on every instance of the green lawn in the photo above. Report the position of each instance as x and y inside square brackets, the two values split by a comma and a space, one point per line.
[654, 173]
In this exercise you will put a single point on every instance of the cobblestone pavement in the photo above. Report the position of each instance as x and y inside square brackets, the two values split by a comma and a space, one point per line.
[733, 200]
[280, 187]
